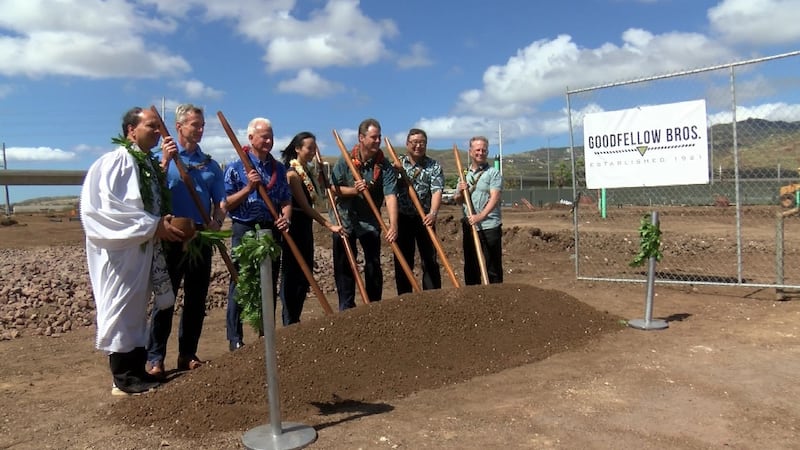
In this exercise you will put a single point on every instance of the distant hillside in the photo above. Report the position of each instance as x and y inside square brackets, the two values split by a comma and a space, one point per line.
[763, 147]
[48, 201]
[751, 133]
[46, 205]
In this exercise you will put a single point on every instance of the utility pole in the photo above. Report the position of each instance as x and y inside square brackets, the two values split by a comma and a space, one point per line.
[548, 163]
[5, 167]
[711, 151]
[500, 140]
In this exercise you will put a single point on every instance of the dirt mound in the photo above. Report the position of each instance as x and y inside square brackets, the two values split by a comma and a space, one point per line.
[358, 360]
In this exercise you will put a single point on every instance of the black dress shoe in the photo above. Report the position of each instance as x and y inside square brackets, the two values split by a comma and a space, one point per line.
[235, 345]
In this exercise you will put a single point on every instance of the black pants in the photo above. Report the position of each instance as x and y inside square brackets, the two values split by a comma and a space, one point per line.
[492, 245]
[294, 284]
[412, 233]
[373, 275]
[196, 275]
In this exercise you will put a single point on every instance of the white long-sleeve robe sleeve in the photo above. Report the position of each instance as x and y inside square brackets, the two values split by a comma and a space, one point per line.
[119, 250]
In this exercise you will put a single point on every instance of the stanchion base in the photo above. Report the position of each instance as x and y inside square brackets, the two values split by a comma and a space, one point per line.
[642, 324]
[293, 436]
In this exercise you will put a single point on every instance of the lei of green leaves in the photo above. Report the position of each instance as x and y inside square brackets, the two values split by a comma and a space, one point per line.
[250, 253]
[649, 244]
[202, 239]
[148, 169]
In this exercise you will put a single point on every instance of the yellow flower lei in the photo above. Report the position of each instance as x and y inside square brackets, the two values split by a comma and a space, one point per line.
[308, 181]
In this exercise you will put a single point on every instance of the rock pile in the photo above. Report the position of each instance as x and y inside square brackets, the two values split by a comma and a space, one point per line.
[45, 291]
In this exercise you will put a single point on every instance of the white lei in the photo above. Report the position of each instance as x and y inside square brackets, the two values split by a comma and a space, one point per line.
[308, 181]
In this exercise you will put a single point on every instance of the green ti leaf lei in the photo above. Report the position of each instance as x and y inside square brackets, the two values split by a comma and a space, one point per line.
[149, 168]
[207, 238]
[649, 244]
[250, 253]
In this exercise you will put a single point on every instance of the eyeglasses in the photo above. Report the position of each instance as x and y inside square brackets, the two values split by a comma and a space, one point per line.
[415, 143]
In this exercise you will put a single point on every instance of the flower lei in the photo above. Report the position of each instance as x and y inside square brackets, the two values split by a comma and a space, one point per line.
[376, 169]
[146, 163]
[308, 181]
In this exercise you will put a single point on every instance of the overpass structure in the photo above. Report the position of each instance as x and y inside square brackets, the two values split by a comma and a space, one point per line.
[38, 178]
[42, 177]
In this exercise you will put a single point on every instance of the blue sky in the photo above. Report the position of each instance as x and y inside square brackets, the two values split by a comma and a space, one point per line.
[70, 68]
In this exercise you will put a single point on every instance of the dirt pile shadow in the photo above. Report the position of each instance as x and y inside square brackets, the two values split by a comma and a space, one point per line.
[371, 355]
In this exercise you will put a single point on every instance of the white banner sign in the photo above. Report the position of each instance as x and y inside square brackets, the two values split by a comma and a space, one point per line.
[658, 145]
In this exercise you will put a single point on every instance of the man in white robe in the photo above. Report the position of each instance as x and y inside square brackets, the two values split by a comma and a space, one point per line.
[123, 216]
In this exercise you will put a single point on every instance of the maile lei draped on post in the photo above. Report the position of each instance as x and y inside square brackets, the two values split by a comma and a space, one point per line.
[156, 199]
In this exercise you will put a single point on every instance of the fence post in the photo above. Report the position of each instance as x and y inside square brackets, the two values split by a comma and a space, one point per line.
[779, 279]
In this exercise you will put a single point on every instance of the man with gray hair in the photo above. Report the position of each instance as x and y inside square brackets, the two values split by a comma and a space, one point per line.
[205, 178]
[248, 210]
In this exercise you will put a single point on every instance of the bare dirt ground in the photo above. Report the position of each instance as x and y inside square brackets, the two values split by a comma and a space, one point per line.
[543, 361]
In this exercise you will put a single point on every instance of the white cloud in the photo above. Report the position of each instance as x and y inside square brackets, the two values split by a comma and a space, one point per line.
[86, 38]
[756, 21]
[767, 111]
[417, 58]
[168, 110]
[217, 144]
[399, 141]
[457, 127]
[338, 34]
[76, 54]
[94, 17]
[546, 68]
[30, 154]
[196, 89]
[349, 137]
[85, 149]
[749, 90]
[460, 128]
[309, 83]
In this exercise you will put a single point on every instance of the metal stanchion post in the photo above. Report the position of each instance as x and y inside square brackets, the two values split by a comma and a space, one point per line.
[779, 255]
[648, 323]
[276, 435]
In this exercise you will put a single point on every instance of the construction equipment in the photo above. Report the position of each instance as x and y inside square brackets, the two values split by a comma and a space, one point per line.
[789, 194]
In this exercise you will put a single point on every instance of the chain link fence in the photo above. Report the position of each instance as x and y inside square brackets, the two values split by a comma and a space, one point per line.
[740, 229]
